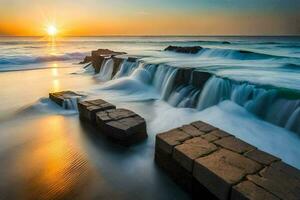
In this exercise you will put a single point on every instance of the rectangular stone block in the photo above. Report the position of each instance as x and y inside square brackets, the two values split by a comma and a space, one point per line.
[186, 153]
[234, 144]
[204, 127]
[167, 140]
[210, 137]
[279, 179]
[261, 157]
[191, 130]
[247, 190]
[88, 109]
[221, 169]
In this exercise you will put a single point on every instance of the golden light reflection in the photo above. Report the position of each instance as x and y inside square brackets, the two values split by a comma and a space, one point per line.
[52, 167]
[55, 85]
[54, 72]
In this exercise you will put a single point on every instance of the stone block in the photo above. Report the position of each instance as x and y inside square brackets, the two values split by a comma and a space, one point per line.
[222, 169]
[261, 157]
[279, 179]
[234, 144]
[88, 109]
[127, 130]
[167, 140]
[247, 190]
[186, 153]
[210, 137]
[191, 130]
[220, 133]
[204, 127]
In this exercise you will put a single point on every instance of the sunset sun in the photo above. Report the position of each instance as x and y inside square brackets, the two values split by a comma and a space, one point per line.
[51, 30]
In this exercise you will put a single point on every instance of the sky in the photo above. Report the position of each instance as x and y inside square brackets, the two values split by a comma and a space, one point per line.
[150, 17]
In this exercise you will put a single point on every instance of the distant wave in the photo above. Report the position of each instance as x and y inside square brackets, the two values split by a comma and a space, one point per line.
[233, 54]
[20, 60]
[291, 66]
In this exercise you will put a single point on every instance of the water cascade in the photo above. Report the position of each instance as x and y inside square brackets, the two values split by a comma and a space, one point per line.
[189, 88]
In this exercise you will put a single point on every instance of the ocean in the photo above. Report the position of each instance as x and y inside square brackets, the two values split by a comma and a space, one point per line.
[254, 94]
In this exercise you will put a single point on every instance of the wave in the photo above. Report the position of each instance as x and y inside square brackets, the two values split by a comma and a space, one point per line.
[238, 54]
[291, 66]
[21, 60]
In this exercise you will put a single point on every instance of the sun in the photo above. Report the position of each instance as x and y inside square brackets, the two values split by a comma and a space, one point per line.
[51, 30]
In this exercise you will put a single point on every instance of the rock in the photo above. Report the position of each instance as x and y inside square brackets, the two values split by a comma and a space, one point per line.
[63, 97]
[97, 62]
[105, 52]
[234, 144]
[186, 153]
[167, 140]
[204, 127]
[122, 125]
[88, 109]
[261, 157]
[247, 190]
[132, 59]
[87, 59]
[220, 133]
[178, 49]
[210, 137]
[112, 115]
[279, 179]
[199, 78]
[221, 169]
[117, 63]
[98, 56]
[191, 130]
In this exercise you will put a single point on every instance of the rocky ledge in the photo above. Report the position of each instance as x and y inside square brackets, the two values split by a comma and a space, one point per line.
[122, 125]
[65, 99]
[207, 161]
[98, 57]
[178, 49]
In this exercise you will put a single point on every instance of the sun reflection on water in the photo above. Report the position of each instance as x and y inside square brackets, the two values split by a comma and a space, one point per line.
[52, 166]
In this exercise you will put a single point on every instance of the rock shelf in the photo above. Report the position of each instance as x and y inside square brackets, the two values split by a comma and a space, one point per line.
[207, 161]
[122, 125]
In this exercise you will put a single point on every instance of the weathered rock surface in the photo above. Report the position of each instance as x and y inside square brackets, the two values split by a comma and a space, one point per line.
[247, 190]
[88, 109]
[167, 140]
[261, 157]
[186, 153]
[220, 170]
[62, 97]
[203, 159]
[122, 125]
[190, 50]
[279, 179]
[235, 144]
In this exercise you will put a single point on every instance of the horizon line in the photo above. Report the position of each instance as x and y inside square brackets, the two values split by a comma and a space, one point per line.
[182, 35]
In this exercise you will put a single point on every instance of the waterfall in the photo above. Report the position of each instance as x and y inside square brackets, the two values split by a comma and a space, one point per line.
[126, 69]
[185, 92]
[70, 103]
[106, 70]
[216, 90]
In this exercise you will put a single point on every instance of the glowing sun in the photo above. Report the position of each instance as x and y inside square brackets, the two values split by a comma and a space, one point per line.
[51, 30]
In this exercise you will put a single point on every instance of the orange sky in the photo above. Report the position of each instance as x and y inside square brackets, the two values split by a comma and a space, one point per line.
[132, 17]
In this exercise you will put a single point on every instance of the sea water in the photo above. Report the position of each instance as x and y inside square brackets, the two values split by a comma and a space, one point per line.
[40, 141]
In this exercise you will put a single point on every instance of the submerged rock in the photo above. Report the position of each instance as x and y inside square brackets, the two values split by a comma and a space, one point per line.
[178, 49]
